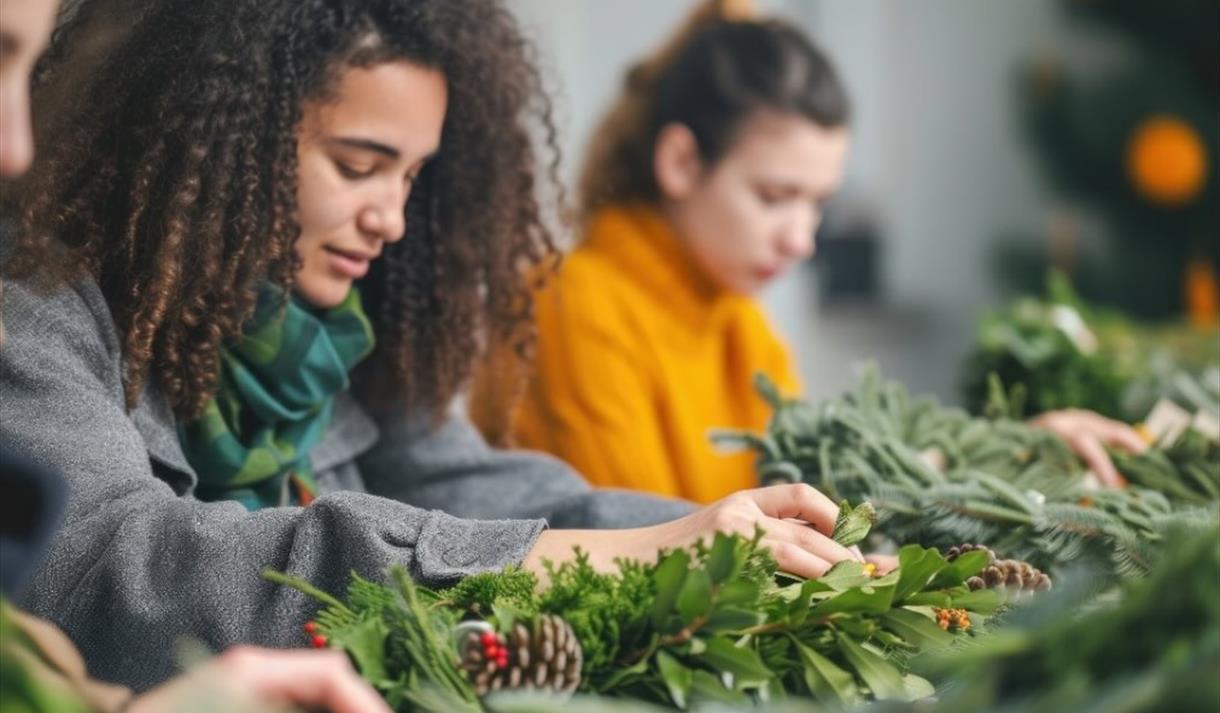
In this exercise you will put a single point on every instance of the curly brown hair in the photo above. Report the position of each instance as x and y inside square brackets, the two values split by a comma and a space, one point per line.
[173, 183]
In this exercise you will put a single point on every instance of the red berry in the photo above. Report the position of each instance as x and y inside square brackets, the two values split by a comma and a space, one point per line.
[491, 651]
[502, 659]
[319, 641]
[488, 638]
[311, 627]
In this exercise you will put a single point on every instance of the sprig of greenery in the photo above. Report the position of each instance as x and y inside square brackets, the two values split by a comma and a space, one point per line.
[940, 477]
[716, 622]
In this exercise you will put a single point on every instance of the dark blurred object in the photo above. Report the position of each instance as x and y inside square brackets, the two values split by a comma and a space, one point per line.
[848, 255]
[1138, 143]
[32, 501]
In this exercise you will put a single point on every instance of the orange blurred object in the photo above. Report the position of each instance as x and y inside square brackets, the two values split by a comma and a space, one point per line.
[1166, 160]
[1202, 293]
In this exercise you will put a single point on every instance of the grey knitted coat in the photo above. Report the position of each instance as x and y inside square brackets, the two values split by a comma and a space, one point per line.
[140, 562]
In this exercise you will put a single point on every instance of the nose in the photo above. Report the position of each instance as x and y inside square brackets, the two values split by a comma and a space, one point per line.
[385, 217]
[16, 142]
[797, 240]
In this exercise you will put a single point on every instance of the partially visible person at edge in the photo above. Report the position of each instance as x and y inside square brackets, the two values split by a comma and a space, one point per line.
[263, 196]
[40, 669]
[704, 183]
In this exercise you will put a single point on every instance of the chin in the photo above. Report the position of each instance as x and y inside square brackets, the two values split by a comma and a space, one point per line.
[323, 294]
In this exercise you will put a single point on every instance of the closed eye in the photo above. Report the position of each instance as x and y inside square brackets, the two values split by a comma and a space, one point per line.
[353, 173]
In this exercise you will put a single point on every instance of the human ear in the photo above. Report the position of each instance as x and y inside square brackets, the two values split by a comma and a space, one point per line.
[675, 161]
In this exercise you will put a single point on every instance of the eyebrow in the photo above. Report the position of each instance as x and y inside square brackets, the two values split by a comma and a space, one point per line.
[368, 145]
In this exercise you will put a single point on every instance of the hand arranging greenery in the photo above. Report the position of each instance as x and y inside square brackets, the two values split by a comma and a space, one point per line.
[940, 477]
[715, 623]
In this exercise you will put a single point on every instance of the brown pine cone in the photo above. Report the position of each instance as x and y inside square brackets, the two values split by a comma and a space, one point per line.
[545, 657]
[958, 550]
[1014, 575]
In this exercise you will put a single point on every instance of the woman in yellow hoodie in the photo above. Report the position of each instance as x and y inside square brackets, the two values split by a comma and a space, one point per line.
[705, 181]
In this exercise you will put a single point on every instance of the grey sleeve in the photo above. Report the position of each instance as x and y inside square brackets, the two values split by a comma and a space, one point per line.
[137, 566]
[452, 468]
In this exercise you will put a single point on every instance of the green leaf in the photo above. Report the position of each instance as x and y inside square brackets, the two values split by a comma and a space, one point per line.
[722, 562]
[826, 680]
[881, 676]
[621, 675]
[708, 687]
[365, 642]
[929, 599]
[915, 628]
[669, 576]
[737, 591]
[678, 678]
[695, 599]
[960, 569]
[853, 524]
[865, 600]
[846, 575]
[916, 568]
[917, 688]
[984, 601]
[732, 619]
[743, 662]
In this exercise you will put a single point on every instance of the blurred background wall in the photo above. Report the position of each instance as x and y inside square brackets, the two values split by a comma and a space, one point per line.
[945, 191]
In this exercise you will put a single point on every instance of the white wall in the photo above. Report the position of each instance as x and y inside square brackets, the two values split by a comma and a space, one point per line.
[937, 152]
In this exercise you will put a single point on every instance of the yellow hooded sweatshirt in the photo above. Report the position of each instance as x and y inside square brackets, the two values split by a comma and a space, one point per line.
[639, 356]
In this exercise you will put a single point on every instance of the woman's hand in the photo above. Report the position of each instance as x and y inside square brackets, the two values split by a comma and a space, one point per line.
[247, 678]
[797, 521]
[1087, 434]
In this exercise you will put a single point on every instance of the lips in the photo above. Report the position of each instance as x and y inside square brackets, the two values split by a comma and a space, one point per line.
[352, 264]
[766, 273]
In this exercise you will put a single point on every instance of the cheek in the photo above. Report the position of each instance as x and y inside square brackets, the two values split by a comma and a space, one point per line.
[324, 205]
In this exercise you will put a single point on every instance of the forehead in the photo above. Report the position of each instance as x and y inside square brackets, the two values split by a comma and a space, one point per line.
[397, 103]
[791, 147]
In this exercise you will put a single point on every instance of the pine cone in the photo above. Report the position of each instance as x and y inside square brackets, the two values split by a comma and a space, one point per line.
[1014, 575]
[958, 550]
[547, 657]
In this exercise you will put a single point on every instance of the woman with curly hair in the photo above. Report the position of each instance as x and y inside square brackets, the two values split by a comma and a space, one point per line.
[249, 201]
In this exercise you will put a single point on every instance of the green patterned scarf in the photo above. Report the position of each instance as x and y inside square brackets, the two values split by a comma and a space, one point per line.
[277, 389]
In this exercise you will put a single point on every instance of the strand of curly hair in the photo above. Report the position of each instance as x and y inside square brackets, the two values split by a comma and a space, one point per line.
[172, 182]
